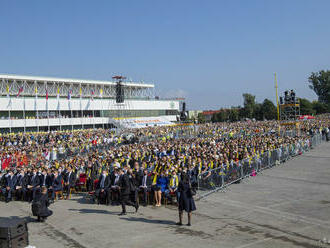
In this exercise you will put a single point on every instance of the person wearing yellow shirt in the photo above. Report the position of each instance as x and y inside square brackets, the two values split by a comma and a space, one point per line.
[174, 183]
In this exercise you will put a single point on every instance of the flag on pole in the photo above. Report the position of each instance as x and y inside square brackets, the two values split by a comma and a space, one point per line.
[46, 94]
[19, 91]
[101, 92]
[36, 92]
[36, 99]
[58, 93]
[69, 94]
[8, 96]
[92, 95]
[58, 98]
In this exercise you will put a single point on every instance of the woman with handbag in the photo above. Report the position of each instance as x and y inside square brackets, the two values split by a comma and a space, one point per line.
[186, 200]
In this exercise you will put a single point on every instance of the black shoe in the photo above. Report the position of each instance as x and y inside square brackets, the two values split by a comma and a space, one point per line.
[136, 207]
[188, 224]
[178, 223]
[122, 213]
[8, 200]
[145, 204]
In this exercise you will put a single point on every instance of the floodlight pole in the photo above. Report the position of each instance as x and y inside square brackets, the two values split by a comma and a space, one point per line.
[278, 108]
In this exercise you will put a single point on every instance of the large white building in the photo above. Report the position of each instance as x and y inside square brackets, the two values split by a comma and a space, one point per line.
[43, 103]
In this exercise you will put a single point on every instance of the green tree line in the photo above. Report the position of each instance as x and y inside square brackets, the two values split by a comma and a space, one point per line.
[319, 82]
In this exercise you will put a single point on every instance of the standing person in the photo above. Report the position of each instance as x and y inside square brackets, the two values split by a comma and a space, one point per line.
[103, 187]
[125, 190]
[186, 200]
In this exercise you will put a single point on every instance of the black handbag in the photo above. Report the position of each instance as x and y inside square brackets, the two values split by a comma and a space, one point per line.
[193, 191]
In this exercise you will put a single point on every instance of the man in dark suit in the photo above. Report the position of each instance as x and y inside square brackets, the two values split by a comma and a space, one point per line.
[69, 181]
[125, 191]
[145, 185]
[56, 184]
[21, 184]
[10, 185]
[103, 187]
[34, 184]
[138, 174]
[114, 188]
[45, 179]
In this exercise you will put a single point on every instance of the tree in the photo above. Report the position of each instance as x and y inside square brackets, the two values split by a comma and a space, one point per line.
[249, 105]
[320, 108]
[320, 83]
[233, 114]
[201, 118]
[306, 107]
[268, 110]
[257, 113]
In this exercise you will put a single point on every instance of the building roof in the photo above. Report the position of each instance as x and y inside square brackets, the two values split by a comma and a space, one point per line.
[71, 80]
[210, 112]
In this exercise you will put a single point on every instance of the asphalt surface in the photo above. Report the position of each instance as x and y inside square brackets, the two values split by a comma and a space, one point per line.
[286, 206]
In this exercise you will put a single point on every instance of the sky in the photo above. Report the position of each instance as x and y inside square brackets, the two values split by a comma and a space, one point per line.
[210, 52]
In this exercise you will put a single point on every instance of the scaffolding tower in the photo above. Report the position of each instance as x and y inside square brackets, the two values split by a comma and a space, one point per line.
[289, 111]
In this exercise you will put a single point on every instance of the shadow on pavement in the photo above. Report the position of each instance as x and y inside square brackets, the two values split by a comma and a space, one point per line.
[150, 221]
[93, 211]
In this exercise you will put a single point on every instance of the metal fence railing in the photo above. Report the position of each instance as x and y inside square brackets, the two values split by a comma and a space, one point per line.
[233, 172]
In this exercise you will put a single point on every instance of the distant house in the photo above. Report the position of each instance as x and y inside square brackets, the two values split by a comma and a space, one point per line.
[209, 113]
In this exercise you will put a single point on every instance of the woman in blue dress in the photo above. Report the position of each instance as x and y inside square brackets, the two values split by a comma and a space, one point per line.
[161, 188]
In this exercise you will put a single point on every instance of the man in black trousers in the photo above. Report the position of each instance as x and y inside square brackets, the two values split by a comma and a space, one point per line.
[69, 181]
[34, 184]
[103, 187]
[145, 186]
[10, 185]
[125, 191]
[21, 185]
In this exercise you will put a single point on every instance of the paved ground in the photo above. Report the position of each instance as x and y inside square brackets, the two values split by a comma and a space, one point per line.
[286, 206]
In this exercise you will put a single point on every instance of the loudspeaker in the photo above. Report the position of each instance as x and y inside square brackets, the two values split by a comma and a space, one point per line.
[13, 233]
[17, 242]
[184, 107]
[119, 93]
[12, 228]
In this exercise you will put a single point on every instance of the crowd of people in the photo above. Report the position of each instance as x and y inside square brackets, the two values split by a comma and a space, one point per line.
[144, 163]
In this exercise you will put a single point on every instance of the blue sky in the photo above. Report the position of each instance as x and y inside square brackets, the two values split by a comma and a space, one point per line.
[208, 51]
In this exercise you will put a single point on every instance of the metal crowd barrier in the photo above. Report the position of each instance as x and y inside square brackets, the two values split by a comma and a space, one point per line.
[220, 177]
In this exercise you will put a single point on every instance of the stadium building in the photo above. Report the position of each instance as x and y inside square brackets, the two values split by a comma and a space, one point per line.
[43, 103]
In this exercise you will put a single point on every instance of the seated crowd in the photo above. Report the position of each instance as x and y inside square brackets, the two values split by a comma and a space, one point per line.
[92, 161]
